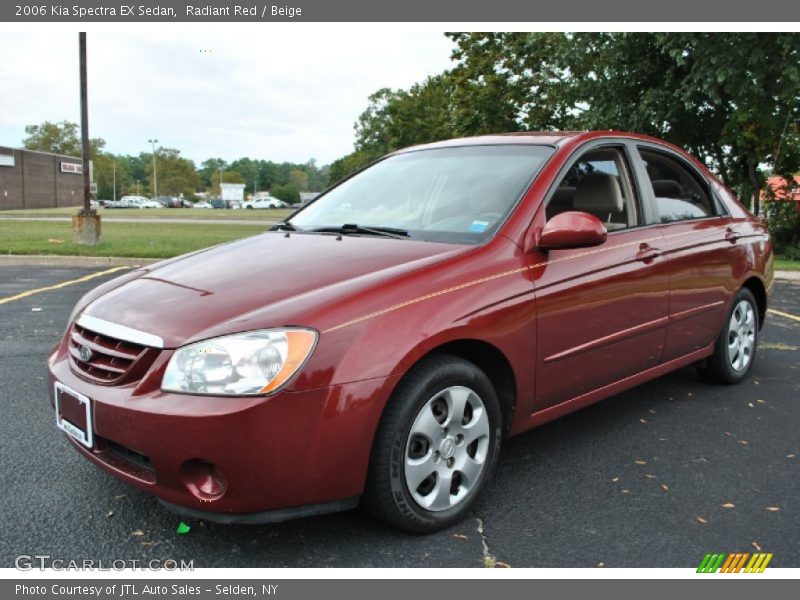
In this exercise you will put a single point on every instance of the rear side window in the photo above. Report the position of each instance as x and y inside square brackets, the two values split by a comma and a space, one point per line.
[680, 193]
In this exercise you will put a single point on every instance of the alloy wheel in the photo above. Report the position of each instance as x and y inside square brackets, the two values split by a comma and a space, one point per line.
[741, 336]
[447, 448]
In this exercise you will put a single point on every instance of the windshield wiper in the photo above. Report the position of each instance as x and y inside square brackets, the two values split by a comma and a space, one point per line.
[352, 228]
[284, 225]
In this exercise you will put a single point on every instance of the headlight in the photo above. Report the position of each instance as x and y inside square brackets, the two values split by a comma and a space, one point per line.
[252, 363]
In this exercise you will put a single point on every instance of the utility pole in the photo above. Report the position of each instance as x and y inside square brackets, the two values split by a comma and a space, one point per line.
[115, 180]
[87, 206]
[155, 175]
[86, 224]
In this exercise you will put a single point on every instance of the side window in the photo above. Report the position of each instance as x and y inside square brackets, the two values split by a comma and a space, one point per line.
[598, 183]
[680, 193]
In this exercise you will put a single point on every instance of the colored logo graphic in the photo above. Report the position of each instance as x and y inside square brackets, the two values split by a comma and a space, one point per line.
[735, 563]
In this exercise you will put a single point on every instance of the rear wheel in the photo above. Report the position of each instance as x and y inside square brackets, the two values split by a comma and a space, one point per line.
[436, 446]
[735, 349]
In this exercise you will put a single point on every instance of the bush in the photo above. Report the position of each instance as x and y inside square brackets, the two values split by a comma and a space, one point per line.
[287, 193]
[784, 225]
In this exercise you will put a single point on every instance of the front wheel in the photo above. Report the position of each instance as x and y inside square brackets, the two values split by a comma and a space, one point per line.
[735, 349]
[436, 446]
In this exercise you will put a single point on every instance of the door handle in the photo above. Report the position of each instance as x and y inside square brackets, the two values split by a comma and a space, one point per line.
[731, 235]
[647, 253]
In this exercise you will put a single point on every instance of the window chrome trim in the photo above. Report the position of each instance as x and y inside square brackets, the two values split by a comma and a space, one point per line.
[120, 332]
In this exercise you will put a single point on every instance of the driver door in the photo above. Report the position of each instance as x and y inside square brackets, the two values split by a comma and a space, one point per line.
[601, 312]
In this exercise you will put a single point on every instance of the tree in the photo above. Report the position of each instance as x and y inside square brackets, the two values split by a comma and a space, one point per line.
[727, 97]
[287, 193]
[59, 138]
[208, 168]
[298, 179]
[399, 118]
[249, 170]
[104, 166]
[227, 177]
[176, 175]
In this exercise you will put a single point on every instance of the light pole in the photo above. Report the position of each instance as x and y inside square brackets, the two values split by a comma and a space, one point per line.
[115, 180]
[137, 188]
[219, 165]
[155, 175]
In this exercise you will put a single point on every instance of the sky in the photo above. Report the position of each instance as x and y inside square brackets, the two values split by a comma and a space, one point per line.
[282, 96]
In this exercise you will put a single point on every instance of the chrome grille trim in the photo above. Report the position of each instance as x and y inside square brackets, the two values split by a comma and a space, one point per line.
[120, 332]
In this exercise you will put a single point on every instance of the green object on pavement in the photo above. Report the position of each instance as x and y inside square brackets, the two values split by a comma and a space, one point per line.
[183, 528]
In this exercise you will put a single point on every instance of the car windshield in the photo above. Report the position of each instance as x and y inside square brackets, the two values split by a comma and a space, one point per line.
[456, 195]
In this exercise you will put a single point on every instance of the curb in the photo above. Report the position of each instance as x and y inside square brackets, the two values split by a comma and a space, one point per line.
[74, 261]
[788, 275]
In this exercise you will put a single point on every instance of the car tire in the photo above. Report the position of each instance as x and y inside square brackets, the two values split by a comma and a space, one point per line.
[419, 432]
[735, 349]
[249, 207]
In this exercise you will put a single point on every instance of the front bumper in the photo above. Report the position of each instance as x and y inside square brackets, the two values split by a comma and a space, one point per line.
[276, 453]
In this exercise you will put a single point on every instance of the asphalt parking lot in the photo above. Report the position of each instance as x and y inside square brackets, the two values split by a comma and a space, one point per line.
[655, 477]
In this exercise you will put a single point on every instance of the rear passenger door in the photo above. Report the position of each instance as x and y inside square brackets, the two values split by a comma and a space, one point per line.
[700, 241]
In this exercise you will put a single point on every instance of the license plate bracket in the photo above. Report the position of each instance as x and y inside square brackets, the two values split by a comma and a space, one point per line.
[74, 414]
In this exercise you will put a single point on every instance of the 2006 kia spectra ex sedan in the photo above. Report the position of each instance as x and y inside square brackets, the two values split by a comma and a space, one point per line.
[380, 343]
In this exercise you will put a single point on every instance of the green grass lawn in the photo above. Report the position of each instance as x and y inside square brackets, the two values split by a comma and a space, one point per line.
[137, 240]
[158, 213]
[784, 264]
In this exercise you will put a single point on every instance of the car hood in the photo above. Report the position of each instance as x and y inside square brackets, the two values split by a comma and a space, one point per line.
[269, 280]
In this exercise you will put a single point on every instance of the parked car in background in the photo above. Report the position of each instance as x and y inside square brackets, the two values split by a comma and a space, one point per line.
[138, 202]
[202, 204]
[268, 202]
[383, 355]
[220, 203]
[174, 202]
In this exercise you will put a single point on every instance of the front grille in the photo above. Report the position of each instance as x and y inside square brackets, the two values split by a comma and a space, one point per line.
[111, 361]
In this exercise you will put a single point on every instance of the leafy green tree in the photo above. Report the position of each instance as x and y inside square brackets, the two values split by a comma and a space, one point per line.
[104, 166]
[59, 138]
[227, 177]
[249, 170]
[298, 179]
[208, 168]
[287, 193]
[317, 176]
[727, 97]
[175, 175]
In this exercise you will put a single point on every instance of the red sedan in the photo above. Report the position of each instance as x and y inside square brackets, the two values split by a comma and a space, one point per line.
[380, 344]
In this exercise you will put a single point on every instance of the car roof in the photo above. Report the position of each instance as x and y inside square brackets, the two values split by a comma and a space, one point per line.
[543, 138]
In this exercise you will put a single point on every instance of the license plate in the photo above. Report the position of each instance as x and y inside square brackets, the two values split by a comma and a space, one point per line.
[74, 414]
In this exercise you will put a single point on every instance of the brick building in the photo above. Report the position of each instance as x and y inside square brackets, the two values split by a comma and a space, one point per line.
[31, 179]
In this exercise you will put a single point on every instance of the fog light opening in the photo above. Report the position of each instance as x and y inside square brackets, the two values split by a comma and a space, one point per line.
[203, 479]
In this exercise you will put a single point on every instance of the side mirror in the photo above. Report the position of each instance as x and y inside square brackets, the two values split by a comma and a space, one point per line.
[572, 230]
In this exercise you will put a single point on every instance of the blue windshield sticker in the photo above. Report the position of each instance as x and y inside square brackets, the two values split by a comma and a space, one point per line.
[478, 226]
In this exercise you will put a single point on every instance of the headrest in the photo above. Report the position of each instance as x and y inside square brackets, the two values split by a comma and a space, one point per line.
[599, 192]
[563, 196]
[667, 188]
